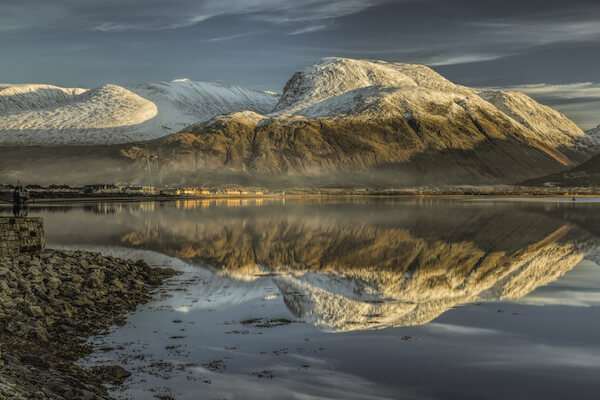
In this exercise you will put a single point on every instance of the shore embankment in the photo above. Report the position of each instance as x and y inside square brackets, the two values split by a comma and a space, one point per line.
[50, 303]
[319, 193]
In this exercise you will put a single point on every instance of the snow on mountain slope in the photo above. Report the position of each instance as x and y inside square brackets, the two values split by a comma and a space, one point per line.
[108, 106]
[16, 98]
[183, 102]
[336, 76]
[384, 120]
[548, 124]
[591, 140]
[365, 121]
[340, 86]
[43, 114]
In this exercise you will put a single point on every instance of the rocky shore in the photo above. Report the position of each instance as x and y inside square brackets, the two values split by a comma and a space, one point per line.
[49, 304]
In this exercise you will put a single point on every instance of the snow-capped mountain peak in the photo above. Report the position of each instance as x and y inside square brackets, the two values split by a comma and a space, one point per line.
[368, 90]
[332, 77]
[109, 114]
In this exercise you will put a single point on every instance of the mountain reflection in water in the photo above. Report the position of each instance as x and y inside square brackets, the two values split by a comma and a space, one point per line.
[347, 266]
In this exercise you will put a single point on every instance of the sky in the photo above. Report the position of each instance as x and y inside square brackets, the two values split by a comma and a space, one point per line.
[549, 49]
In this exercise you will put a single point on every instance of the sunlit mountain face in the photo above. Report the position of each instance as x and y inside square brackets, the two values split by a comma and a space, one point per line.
[354, 266]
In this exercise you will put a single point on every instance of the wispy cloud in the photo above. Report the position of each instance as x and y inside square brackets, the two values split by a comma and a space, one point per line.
[319, 13]
[491, 40]
[309, 29]
[511, 37]
[158, 15]
[150, 25]
[289, 11]
[538, 33]
[219, 39]
[453, 59]
[495, 39]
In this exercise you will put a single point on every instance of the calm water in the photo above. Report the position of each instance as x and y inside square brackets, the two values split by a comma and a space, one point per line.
[431, 299]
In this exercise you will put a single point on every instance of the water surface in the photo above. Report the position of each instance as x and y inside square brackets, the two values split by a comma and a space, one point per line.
[357, 299]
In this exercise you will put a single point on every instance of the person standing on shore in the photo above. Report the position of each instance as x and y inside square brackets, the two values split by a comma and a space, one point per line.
[20, 197]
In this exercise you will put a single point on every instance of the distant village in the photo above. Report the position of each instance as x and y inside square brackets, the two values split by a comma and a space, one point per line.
[126, 190]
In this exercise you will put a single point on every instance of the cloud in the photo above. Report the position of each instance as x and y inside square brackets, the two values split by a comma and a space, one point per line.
[450, 59]
[219, 39]
[491, 40]
[463, 39]
[315, 10]
[277, 12]
[309, 29]
[511, 37]
[151, 25]
[529, 33]
[583, 114]
[158, 15]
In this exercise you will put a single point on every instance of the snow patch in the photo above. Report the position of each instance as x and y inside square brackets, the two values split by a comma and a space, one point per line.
[45, 114]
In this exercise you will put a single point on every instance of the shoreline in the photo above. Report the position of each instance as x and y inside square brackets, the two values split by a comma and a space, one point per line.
[378, 195]
[49, 304]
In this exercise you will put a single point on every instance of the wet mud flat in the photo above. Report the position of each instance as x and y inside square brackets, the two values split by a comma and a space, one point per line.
[172, 352]
[49, 304]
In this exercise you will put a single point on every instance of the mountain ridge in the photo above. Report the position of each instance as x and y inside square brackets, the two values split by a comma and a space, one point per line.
[113, 114]
[347, 116]
[355, 121]
[584, 174]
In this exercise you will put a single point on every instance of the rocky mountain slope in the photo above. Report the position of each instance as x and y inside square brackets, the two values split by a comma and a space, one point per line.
[583, 175]
[50, 115]
[407, 121]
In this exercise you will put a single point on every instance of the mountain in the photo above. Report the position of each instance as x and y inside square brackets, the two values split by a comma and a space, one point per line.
[50, 115]
[595, 133]
[339, 122]
[402, 121]
[585, 174]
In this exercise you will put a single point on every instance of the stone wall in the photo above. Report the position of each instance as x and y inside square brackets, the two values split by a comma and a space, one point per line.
[20, 235]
